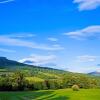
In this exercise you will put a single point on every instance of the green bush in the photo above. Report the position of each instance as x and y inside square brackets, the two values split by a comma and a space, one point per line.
[75, 88]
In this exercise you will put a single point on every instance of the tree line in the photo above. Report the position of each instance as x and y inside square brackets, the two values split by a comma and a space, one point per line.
[17, 82]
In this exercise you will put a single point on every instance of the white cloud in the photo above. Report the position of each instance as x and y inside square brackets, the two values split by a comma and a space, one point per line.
[17, 42]
[6, 1]
[7, 50]
[39, 59]
[52, 39]
[90, 31]
[22, 35]
[87, 4]
[86, 58]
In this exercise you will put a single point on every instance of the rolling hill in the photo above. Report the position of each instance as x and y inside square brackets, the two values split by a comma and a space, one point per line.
[9, 66]
[6, 63]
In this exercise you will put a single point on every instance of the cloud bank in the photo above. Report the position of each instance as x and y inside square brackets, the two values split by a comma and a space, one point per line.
[87, 4]
[90, 31]
[23, 43]
[86, 58]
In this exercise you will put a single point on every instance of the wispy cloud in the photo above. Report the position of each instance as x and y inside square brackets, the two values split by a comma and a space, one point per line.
[52, 39]
[87, 4]
[6, 1]
[22, 35]
[86, 58]
[7, 50]
[35, 59]
[90, 31]
[23, 43]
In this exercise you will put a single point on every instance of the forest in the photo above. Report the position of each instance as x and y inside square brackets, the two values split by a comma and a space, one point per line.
[38, 78]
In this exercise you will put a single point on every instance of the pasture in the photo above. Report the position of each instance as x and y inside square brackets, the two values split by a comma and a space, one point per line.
[62, 94]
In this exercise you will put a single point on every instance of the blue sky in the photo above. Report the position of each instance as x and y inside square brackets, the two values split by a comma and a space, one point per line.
[61, 34]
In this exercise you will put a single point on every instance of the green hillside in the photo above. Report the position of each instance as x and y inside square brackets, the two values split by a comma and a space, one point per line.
[15, 76]
[10, 66]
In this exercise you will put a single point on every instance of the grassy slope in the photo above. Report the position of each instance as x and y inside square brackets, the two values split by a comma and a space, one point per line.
[64, 94]
[36, 72]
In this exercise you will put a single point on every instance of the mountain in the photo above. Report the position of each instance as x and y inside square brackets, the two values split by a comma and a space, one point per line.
[4, 62]
[95, 73]
[9, 66]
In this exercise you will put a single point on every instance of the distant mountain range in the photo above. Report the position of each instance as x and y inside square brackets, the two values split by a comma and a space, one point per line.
[4, 62]
[95, 73]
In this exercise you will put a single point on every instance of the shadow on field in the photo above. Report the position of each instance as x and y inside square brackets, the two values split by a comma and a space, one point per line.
[60, 98]
[36, 95]
[48, 95]
[53, 97]
[42, 95]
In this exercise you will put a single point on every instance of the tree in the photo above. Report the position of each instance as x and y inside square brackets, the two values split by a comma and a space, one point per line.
[18, 80]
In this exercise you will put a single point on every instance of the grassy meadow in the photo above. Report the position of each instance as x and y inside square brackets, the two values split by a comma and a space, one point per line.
[62, 94]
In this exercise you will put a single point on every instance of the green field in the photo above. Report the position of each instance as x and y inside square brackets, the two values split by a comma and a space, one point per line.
[63, 94]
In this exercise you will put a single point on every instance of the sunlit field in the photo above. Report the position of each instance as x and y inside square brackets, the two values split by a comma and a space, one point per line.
[63, 94]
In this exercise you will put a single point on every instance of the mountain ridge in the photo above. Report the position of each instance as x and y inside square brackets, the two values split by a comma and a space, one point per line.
[95, 73]
[6, 63]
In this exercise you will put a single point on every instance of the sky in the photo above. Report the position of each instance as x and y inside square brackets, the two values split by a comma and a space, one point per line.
[63, 34]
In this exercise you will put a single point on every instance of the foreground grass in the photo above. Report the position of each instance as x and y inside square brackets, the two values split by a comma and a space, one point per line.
[63, 94]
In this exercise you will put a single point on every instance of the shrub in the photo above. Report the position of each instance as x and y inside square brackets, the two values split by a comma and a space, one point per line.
[75, 88]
